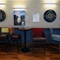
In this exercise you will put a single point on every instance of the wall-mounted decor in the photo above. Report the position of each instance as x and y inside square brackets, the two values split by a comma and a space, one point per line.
[2, 15]
[36, 17]
[49, 15]
[19, 17]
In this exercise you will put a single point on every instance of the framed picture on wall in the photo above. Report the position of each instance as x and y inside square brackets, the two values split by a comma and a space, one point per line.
[19, 17]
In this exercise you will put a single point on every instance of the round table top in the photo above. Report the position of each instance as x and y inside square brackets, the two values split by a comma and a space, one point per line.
[25, 28]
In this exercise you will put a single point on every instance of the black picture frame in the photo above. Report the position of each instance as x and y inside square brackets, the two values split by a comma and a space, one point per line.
[50, 15]
[19, 17]
[2, 15]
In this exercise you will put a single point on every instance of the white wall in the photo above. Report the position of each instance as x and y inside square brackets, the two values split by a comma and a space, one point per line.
[31, 6]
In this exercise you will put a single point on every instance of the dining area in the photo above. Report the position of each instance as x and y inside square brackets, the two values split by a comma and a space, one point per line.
[29, 30]
[14, 44]
[24, 38]
[8, 38]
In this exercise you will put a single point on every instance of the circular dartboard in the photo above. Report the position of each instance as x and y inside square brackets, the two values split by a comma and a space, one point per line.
[50, 15]
[2, 15]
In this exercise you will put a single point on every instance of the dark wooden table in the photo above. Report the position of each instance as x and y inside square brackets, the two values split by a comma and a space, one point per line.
[25, 48]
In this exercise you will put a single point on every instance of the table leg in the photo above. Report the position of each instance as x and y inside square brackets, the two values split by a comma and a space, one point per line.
[25, 48]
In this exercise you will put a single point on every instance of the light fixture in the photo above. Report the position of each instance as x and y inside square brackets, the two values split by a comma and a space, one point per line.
[1, 3]
[51, 3]
[19, 8]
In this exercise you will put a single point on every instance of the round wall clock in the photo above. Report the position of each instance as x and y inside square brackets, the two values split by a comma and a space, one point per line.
[2, 15]
[49, 15]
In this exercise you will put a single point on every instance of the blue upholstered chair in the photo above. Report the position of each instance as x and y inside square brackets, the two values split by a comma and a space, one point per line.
[54, 38]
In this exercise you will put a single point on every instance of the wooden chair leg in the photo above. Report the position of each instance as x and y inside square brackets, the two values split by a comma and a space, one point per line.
[5, 45]
[32, 46]
[20, 43]
[18, 46]
[49, 44]
[6, 48]
[44, 47]
[59, 47]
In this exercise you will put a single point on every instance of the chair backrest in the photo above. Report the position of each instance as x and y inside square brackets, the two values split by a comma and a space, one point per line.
[11, 30]
[4, 30]
[37, 31]
[51, 31]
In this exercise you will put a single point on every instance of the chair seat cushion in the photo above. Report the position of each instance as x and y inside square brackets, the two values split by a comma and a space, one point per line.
[39, 38]
[3, 36]
[15, 37]
[55, 37]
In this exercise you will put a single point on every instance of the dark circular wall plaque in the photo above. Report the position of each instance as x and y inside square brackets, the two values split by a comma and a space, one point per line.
[2, 15]
[49, 15]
